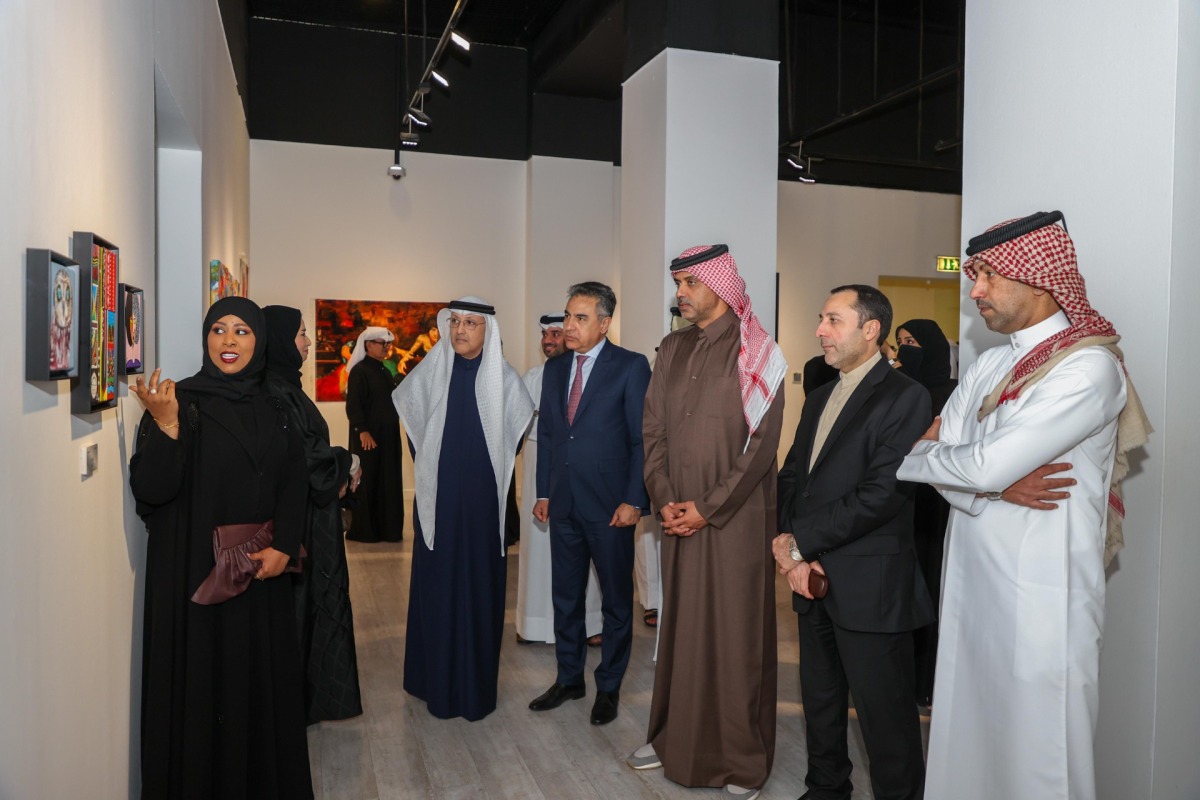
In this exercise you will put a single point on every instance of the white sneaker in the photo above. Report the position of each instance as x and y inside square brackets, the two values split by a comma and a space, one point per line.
[741, 793]
[644, 758]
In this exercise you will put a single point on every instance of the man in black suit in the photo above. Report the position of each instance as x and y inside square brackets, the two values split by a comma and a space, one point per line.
[843, 514]
[590, 488]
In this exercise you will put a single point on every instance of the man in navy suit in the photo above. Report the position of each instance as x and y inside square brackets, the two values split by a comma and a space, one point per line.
[590, 488]
[843, 514]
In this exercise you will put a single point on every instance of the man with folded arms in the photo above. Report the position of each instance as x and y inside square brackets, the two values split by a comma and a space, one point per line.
[1017, 687]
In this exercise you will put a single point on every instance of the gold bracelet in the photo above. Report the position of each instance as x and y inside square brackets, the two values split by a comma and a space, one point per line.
[164, 427]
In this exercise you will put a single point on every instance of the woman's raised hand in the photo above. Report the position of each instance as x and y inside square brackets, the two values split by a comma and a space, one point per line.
[158, 397]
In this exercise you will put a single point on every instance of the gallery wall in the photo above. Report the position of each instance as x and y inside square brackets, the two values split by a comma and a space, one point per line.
[328, 223]
[834, 235]
[77, 87]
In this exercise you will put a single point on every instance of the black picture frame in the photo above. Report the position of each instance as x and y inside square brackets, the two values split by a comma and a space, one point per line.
[52, 327]
[95, 386]
[131, 330]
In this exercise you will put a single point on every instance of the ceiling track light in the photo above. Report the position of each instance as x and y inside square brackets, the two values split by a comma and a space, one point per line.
[437, 76]
[409, 138]
[802, 164]
[418, 116]
[460, 40]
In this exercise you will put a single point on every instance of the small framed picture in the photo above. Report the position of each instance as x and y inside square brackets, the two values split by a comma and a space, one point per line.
[131, 351]
[51, 316]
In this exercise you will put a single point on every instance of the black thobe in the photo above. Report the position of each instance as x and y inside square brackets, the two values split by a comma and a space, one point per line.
[222, 703]
[324, 618]
[456, 596]
[378, 514]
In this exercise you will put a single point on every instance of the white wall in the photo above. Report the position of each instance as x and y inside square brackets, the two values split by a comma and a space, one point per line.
[833, 235]
[1094, 111]
[77, 89]
[328, 223]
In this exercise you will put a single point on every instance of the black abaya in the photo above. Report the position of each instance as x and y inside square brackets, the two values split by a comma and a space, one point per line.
[222, 703]
[323, 613]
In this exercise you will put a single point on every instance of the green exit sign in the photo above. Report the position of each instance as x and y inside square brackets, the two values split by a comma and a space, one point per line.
[947, 264]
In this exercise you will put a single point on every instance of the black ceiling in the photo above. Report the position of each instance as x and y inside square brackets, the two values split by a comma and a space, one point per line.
[872, 87]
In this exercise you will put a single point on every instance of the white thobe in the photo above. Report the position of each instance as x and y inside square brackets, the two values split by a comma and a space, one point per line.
[1022, 612]
[535, 604]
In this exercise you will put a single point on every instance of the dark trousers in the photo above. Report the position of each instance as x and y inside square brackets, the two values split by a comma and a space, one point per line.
[877, 668]
[574, 544]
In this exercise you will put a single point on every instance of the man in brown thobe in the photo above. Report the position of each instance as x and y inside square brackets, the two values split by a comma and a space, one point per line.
[710, 431]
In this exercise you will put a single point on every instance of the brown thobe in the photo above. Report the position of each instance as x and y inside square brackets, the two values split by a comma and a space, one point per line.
[712, 718]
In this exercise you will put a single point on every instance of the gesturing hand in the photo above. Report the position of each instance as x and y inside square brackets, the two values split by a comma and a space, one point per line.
[158, 397]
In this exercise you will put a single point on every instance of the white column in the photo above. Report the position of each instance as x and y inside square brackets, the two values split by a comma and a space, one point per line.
[699, 138]
[1094, 109]
[569, 238]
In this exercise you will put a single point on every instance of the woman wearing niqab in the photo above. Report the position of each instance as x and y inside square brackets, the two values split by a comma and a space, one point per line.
[924, 355]
[222, 703]
[324, 617]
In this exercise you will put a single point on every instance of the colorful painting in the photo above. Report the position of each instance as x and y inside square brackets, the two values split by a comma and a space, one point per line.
[221, 283]
[103, 325]
[64, 283]
[133, 326]
[339, 322]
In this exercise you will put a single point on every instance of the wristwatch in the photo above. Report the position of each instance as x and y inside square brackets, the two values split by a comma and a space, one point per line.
[794, 551]
[994, 495]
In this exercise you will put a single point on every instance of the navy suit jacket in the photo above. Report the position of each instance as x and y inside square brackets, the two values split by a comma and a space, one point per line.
[850, 512]
[589, 468]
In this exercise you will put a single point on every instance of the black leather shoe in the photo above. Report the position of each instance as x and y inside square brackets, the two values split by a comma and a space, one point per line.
[556, 695]
[604, 710]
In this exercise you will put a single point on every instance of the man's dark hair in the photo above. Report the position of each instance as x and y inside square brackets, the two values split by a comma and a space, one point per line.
[870, 304]
[602, 293]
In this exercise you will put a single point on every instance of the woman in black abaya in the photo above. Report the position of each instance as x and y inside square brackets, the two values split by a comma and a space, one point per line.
[924, 355]
[222, 704]
[323, 614]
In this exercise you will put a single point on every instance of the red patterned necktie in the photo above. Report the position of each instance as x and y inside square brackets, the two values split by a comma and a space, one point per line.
[576, 389]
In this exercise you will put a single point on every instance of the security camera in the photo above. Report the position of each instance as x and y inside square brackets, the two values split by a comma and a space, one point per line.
[397, 171]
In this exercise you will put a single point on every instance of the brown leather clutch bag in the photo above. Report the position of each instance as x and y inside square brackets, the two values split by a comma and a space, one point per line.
[818, 584]
[234, 569]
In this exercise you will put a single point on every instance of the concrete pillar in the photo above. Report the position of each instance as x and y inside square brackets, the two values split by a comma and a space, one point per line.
[699, 138]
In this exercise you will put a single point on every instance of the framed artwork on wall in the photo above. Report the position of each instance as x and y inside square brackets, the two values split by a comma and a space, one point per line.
[131, 359]
[95, 386]
[51, 316]
[339, 322]
[222, 283]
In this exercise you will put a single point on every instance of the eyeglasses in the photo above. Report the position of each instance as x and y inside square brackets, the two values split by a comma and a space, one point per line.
[472, 324]
[378, 341]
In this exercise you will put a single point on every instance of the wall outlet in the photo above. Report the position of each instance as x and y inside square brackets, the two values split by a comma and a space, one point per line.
[89, 459]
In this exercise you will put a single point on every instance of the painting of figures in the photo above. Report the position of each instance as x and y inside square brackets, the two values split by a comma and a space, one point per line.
[339, 322]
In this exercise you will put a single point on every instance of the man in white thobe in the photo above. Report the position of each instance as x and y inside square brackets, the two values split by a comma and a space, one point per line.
[1022, 612]
[535, 606]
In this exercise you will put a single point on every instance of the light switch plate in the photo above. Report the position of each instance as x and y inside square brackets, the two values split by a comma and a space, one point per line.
[89, 459]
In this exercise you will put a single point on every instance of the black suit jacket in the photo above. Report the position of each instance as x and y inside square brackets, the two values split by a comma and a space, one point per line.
[850, 512]
[592, 466]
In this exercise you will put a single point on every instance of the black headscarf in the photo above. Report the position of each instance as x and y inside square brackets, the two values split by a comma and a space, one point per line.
[243, 385]
[930, 363]
[283, 358]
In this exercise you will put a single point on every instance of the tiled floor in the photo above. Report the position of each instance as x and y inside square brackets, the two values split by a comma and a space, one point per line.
[397, 750]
